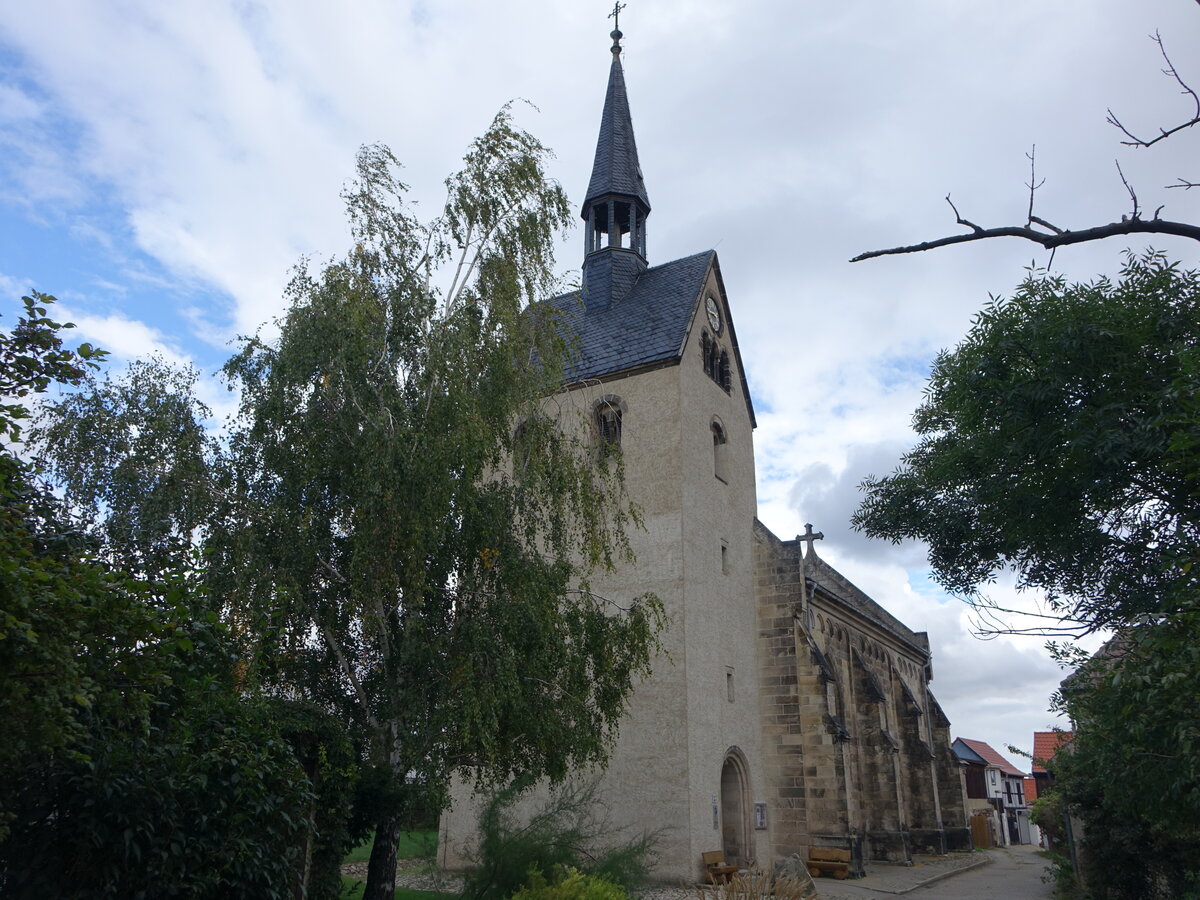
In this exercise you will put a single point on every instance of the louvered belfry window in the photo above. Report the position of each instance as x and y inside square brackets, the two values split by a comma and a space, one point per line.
[716, 361]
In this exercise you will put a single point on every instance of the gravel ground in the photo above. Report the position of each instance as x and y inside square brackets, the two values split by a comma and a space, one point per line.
[415, 874]
[422, 875]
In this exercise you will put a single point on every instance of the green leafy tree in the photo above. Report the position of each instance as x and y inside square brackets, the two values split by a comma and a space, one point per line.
[137, 760]
[32, 358]
[1132, 772]
[1059, 439]
[398, 544]
[64, 624]
[134, 460]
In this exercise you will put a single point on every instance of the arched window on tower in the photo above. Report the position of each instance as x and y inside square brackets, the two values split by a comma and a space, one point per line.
[723, 371]
[606, 419]
[719, 450]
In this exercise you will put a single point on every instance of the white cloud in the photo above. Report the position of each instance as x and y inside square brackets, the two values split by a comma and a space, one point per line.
[13, 288]
[124, 338]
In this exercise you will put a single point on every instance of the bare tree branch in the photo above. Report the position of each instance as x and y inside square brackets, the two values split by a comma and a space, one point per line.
[600, 599]
[1051, 236]
[959, 219]
[348, 670]
[1163, 133]
[1058, 238]
[1035, 220]
[1034, 184]
[990, 620]
[1132, 195]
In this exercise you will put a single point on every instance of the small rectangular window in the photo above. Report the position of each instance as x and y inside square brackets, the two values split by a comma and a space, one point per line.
[724, 558]
[729, 683]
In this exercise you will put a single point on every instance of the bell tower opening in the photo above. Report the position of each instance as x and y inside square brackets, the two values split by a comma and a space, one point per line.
[616, 204]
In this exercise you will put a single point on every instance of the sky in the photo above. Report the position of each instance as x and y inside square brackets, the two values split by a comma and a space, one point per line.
[163, 166]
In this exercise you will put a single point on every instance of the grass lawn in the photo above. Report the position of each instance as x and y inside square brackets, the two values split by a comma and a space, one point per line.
[412, 845]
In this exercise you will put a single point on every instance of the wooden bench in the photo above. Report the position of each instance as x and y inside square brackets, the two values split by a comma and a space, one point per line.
[828, 861]
[718, 871]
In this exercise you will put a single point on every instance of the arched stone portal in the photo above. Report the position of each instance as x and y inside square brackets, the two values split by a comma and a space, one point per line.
[735, 809]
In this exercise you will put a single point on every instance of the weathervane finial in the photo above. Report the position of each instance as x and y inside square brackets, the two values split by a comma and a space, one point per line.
[616, 35]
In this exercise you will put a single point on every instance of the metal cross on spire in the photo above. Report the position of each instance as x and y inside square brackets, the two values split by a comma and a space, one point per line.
[809, 536]
[616, 35]
[615, 15]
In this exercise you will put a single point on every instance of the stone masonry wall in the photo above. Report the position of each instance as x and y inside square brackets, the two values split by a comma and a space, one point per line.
[777, 587]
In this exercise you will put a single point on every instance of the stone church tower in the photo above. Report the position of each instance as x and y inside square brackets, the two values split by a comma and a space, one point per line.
[788, 709]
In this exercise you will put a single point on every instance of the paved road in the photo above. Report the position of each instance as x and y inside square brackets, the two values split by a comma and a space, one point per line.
[1015, 873]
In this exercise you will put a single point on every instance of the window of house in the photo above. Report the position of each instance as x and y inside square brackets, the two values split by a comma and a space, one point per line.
[606, 419]
[719, 450]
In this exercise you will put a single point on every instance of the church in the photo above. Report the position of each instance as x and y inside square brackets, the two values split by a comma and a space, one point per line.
[789, 709]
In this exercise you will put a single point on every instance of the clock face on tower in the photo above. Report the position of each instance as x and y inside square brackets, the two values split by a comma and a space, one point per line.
[714, 313]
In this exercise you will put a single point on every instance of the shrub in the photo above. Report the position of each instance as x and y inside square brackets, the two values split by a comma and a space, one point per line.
[565, 833]
[210, 804]
[569, 884]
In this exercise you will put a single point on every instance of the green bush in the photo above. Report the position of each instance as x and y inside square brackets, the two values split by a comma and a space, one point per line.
[565, 833]
[210, 804]
[569, 884]
[209, 795]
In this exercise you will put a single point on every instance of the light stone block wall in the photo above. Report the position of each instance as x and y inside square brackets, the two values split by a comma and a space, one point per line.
[741, 611]
[667, 762]
[639, 792]
[722, 614]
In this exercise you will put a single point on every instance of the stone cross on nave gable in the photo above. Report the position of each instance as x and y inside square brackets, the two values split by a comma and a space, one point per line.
[809, 537]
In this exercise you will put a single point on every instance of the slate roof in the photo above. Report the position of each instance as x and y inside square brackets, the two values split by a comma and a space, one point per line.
[966, 754]
[616, 169]
[992, 757]
[1046, 744]
[648, 326]
[826, 578]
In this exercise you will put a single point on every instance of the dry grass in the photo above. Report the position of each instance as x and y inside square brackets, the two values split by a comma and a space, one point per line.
[758, 886]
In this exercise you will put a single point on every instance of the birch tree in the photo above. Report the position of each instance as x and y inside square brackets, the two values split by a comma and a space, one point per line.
[381, 547]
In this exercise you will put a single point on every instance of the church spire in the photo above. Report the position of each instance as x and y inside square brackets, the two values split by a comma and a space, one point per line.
[616, 205]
